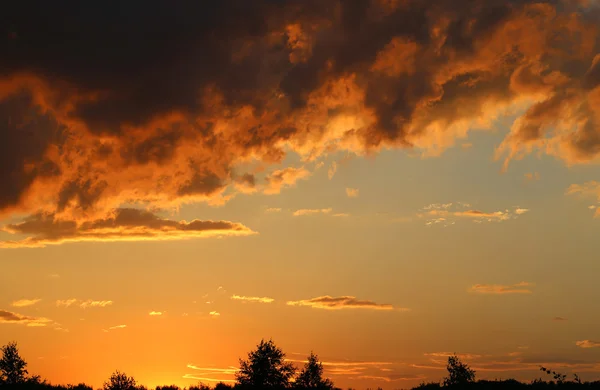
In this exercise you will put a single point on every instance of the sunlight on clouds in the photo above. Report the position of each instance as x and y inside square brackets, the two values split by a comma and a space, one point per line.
[252, 299]
[25, 302]
[352, 192]
[116, 327]
[588, 344]
[519, 288]
[344, 302]
[155, 313]
[214, 313]
[84, 304]
[301, 212]
[7, 317]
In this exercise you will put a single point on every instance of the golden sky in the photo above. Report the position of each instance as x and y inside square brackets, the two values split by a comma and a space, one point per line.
[383, 182]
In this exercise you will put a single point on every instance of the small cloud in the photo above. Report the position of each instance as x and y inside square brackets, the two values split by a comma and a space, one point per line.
[587, 344]
[245, 183]
[332, 170]
[319, 165]
[438, 206]
[500, 215]
[214, 313]
[344, 302]
[341, 215]
[273, 210]
[519, 288]
[559, 319]
[352, 192]
[520, 211]
[252, 299]
[25, 302]
[7, 317]
[534, 176]
[284, 178]
[592, 207]
[155, 313]
[115, 328]
[301, 212]
[185, 315]
[82, 304]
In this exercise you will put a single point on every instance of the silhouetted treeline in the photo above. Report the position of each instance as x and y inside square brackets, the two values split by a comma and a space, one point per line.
[267, 369]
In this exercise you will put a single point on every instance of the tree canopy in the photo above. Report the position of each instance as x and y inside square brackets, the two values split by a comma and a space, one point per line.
[265, 368]
[12, 366]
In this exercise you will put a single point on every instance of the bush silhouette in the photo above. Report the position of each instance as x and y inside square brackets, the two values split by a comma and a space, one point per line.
[120, 381]
[265, 368]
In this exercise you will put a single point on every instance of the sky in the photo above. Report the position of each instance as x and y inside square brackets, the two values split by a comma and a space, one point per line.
[382, 182]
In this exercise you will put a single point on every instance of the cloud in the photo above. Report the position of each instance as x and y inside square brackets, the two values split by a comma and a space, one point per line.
[302, 212]
[519, 288]
[446, 214]
[332, 170]
[588, 344]
[341, 215]
[214, 314]
[533, 176]
[116, 327]
[84, 304]
[352, 192]
[120, 225]
[559, 319]
[588, 189]
[284, 178]
[25, 302]
[155, 313]
[208, 374]
[343, 302]
[7, 317]
[252, 299]
[98, 121]
[273, 210]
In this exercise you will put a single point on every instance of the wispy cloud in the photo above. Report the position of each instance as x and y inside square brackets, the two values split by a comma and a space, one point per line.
[84, 304]
[533, 176]
[519, 288]
[214, 313]
[8, 317]
[341, 215]
[446, 214]
[120, 225]
[25, 302]
[155, 313]
[332, 170]
[212, 374]
[588, 344]
[252, 299]
[301, 212]
[559, 319]
[352, 192]
[283, 178]
[344, 302]
[116, 327]
[273, 210]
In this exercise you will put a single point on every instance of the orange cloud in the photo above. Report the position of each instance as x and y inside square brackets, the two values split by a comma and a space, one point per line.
[25, 302]
[82, 304]
[7, 317]
[214, 314]
[120, 225]
[284, 178]
[588, 344]
[155, 313]
[519, 288]
[343, 302]
[301, 212]
[352, 192]
[252, 299]
[116, 327]
[412, 77]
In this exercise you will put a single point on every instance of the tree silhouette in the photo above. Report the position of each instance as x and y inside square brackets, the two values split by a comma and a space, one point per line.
[119, 381]
[311, 376]
[459, 373]
[12, 366]
[265, 368]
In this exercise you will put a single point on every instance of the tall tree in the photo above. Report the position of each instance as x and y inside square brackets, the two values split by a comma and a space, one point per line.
[265, 368]
[311, 376]
[12, 366]
[459, 373]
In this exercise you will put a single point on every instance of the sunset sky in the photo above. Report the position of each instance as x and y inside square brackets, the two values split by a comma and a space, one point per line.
[382, 182]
